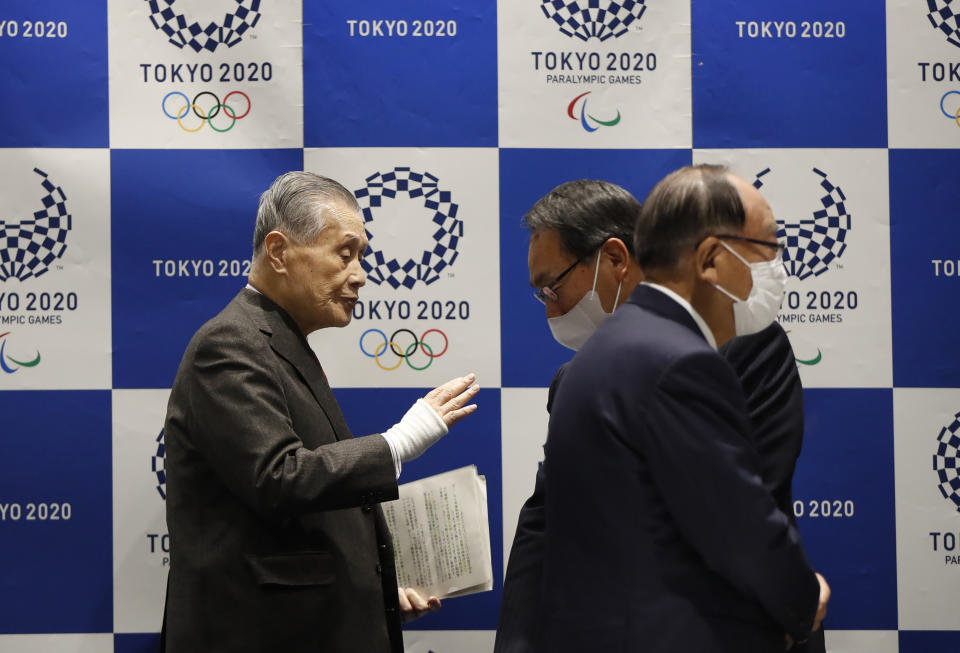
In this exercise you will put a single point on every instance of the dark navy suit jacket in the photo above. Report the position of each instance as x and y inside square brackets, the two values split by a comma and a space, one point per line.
[655, 532]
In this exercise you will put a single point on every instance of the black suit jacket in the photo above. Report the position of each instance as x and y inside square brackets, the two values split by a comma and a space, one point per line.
[659, 534]
[767, 369]
[277, 543]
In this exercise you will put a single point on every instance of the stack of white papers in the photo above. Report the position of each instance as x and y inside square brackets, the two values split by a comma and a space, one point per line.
[441, 534]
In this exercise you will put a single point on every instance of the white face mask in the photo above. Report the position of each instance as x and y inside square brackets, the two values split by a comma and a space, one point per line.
[575, 327]
[759, 309]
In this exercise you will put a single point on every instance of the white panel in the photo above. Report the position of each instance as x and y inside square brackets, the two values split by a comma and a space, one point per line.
[639, 74]
[928, 524]
[523, 433]
[55, 320]
[448, 641]
[837, 314]
[140, 543]
[56, 643]
[152, 81]
[444, 211]
[860, 641]
[923, 78]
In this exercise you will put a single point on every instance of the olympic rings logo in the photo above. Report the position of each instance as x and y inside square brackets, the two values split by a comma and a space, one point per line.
[206, 117]
[955, 116]
[405, 352]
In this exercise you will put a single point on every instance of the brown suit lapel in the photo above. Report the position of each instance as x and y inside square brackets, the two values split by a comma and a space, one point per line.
[285, 339]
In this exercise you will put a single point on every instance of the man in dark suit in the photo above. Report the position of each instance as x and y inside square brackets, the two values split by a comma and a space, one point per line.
[567, 225]
[581, 268]
[660, 535]
[277, 541]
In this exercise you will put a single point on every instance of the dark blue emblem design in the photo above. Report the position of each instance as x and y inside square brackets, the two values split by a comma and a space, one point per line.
[29, 246]
[945, 17]
[158, 463]
[945, 461]
[181, 31]
[593, 19]
[439, 208]
[816, 241]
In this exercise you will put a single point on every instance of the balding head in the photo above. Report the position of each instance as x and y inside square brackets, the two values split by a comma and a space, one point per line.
[685, 207]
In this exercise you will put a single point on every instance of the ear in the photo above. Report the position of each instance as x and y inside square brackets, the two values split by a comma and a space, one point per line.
[705, 258]
[615, 251]
[276, 247]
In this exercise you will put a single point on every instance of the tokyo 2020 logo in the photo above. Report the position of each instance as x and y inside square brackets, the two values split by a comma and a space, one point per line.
[440, 252]
[182, 31]
[29, 245]
[815, 240]
[158, 463]
[593, 20]
[944, 15]
[945, 461]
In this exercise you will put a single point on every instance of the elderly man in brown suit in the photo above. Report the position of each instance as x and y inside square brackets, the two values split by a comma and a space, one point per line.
[277, 541]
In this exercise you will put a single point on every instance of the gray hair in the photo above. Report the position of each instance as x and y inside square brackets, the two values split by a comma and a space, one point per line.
[296, 204]
[685, 207]
[585, 213]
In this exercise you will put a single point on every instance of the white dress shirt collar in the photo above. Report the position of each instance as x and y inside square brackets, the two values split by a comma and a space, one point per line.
[704, 328]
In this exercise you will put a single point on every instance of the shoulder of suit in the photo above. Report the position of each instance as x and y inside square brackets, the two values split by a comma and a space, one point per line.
[232, 325]
[707, 371]
[634, 352]
[645, 329]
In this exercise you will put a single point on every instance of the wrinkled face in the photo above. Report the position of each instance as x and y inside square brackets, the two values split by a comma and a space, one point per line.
[325, 276]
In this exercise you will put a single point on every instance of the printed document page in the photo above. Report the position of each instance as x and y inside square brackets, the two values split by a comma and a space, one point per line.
[441, 534]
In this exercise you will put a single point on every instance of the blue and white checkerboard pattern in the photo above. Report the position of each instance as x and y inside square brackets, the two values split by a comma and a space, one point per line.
[124, 226]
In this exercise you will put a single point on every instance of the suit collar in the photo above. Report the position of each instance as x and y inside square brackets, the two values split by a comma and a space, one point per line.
[290, 344]
[665, 304]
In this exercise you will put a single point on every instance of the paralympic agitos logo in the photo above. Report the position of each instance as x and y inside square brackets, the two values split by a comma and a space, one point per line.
[8, 363]
[588, 121]
[182, 31]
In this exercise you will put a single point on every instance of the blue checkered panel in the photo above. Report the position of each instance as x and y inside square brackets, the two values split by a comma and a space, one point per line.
[138, 135]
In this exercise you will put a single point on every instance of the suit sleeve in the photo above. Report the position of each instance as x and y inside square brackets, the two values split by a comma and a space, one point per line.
[766, 366]
[709, 474]
[239, 422]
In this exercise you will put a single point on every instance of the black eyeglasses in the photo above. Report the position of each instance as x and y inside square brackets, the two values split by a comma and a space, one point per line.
[778, 246]
[548, 292]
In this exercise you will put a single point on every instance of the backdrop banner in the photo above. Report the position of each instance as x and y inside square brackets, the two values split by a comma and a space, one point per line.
[137, 136]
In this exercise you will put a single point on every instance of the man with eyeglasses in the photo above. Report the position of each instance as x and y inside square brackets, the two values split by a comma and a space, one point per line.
[581, 262]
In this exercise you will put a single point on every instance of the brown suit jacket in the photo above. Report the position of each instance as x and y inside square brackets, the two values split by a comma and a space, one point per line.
[277, 542]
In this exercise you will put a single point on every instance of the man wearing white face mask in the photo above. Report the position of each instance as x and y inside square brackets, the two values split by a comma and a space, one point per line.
[659, 533]
[580, 257]
[580, 285]
[581, 267]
